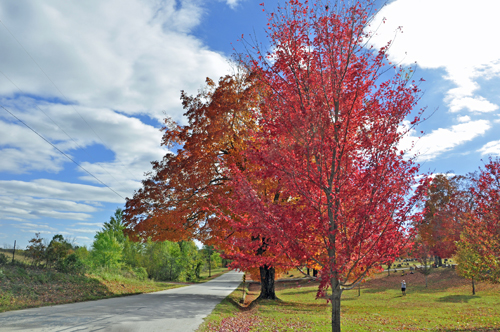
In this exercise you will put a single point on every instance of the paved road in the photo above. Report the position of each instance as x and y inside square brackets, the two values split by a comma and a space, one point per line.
[180, 309]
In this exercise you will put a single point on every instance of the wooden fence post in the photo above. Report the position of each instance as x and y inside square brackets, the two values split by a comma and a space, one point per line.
[14, 252]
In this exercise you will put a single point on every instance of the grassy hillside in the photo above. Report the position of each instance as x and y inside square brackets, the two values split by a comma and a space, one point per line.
[447, 304]
[26, 287]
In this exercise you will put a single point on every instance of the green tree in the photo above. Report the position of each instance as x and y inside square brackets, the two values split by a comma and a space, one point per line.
[57, 250]
[192, 260]
[106, 249]
[208, 252]
[471, 264]
[133, 253]
[36, 249]
[115, 225]
[163, 260]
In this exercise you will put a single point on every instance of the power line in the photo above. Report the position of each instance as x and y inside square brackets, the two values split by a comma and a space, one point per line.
[71, 138]
[57, 88]
[55, 147]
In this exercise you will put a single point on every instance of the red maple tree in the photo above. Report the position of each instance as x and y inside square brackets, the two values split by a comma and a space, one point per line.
[480, 239]
[328, 137]
[443, 209]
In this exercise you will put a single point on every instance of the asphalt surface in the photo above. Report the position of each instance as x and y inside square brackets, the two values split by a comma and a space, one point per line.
[180, 309]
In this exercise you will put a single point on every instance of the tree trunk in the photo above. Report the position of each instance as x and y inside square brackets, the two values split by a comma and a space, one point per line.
[336, 294]
[267, 290]
[209, 266]
[473, 287]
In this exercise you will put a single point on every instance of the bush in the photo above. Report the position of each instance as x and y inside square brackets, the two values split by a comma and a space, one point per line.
[71, 264]
[3, 259]
[141, 273]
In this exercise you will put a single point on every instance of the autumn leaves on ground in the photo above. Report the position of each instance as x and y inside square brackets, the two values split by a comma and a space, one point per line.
[445, 305]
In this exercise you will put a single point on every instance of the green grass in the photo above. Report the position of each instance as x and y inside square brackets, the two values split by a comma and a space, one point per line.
[19, 256]
[445, 305]
[214, 274]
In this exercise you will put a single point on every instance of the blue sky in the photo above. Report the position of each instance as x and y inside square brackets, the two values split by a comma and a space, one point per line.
[98, 77]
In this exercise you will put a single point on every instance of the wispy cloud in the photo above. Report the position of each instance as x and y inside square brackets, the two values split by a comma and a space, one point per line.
[82, 230]
[99, 224]
[492, 148]
[232, 3]
[441, 140]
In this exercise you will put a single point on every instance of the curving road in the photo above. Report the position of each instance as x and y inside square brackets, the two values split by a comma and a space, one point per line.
[180, 309]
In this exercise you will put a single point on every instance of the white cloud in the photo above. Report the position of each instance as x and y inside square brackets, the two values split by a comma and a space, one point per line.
[128, 55]
[232, 3]
[99, 224]
[13, 218]
[441, 140]
[36, 230]
[32, 225]
[82, 230]
[464, 118]
[492, 148]
[23, 150]
[477, 104]
[116, 62]
[44, 188]
[456, 35]
[53, 199]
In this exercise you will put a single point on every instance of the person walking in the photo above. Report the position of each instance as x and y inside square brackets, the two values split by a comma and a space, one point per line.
[403, 287]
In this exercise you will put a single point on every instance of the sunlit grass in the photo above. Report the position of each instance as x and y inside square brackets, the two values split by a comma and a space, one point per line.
[214, 274]
[445, 305]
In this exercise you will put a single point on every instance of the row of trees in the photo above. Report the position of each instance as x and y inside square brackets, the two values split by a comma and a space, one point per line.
[462, 220]
[294, 160]
[113, 251]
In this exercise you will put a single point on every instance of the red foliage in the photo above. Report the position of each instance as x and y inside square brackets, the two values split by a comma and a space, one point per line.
[482, 220]
[442, 225]
[342, 192]
[176, 198]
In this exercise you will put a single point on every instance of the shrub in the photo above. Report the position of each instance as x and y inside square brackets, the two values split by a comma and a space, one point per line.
[3, 259]
[141, 273]
[71, 264]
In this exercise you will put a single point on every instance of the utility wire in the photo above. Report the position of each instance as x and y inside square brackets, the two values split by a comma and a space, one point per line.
[74, 141]
[55, 147]
[57, 88]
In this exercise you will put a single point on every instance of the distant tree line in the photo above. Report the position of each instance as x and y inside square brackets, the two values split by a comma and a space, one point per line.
[114, 252]
[462, 221]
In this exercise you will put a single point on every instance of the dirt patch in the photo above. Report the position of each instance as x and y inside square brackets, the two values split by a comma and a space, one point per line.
[253, 291]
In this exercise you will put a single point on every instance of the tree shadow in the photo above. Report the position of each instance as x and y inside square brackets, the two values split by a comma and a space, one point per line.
[301, 292]
[457, 298]
[373, 290]
[473, 329]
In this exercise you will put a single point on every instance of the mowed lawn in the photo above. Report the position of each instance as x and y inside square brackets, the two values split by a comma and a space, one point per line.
[447, 304]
